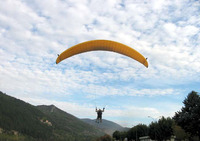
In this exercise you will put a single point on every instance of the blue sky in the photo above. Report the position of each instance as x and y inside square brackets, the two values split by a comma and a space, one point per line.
[32, 33]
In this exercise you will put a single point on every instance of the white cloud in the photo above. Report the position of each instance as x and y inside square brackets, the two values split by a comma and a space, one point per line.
[99, 91]
[33, 33]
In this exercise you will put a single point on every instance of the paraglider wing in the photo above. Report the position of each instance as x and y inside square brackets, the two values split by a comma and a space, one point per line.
[104, 45]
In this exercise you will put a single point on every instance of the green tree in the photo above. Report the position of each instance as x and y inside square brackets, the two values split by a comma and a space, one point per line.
[116, 135]
[119, 135]
[153, 130]
[123, 135]
[137, 131]
[188, 117]
[161, 130]
[105, 138]
[131, 134]
[142, 130]
[180, 133]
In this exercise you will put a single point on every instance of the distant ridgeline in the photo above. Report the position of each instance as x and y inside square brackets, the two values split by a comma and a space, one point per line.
[20, 121]
[106, 126]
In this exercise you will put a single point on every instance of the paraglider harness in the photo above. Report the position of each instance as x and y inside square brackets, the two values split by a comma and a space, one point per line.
[99, 115]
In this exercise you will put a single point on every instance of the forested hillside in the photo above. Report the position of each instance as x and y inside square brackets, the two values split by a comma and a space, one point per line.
[22, 117]
[69, 123]
[20, 121]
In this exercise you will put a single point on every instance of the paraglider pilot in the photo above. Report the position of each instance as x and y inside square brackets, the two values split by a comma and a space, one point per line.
[99, 115]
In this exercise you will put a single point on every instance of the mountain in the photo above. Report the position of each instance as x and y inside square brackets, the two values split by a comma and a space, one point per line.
[22, 118]
[106, 126]
[22, 121]
[69, 123]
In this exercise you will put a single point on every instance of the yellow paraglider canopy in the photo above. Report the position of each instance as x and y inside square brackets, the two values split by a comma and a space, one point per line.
[104, 45]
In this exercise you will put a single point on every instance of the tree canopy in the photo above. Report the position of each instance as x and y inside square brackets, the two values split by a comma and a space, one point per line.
[137, 131]
[161, 130]
[189, 115]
